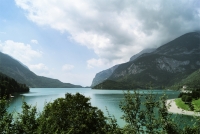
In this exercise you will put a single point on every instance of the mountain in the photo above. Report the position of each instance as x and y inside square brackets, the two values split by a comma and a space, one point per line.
[163, 67]
[16, 70]
[109, 84]
[149, 50]
[191, 82]
[105, 74]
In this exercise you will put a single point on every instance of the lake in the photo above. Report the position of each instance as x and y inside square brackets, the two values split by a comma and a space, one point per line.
[99, 98]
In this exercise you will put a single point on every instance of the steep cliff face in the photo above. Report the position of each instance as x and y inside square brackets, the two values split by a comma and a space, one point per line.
[105, 74]
[163, 67]
[171, 65]
[131, 70]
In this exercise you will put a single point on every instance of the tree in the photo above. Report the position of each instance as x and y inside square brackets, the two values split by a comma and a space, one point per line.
[26, 122]
[166, 124]
[72, 114]
[186, 98]
[149, 116]
[5, 118]
[9, 86]
[133, 115]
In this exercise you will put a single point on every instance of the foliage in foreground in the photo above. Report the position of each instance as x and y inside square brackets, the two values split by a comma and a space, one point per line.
[75, 115]
[70, 115]
[149, 117]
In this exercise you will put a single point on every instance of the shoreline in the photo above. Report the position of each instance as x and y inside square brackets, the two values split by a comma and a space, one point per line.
[172, 108]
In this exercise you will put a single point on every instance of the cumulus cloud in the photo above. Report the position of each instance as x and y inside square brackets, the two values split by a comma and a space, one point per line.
[20, 51]
[39, 66]
[83, 79]
[67, 67]
[96, 63]
[116, 29]
[41, 69]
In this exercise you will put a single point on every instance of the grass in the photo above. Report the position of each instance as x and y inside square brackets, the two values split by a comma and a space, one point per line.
[181, 104]
[196, 104]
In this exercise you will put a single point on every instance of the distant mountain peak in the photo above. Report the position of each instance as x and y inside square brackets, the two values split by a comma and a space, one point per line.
[185, 44]
[163, 67]
[105, 74]
[147, 50]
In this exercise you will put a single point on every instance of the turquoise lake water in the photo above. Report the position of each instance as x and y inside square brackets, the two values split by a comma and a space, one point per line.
[99, 98]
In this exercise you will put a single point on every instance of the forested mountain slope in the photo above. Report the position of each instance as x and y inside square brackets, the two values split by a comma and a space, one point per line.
[16, 70]
[191, 82]
[9, 86]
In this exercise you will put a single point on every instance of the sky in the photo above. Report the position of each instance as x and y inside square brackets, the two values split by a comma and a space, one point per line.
[72, 40]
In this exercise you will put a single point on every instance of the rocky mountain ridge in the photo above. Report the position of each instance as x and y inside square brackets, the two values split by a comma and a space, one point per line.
[163, 67]
[144, 51]
[105, 74]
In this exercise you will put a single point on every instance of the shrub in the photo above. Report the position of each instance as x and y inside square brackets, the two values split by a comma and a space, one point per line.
[195, 94]
[72, 114]
[186, 98]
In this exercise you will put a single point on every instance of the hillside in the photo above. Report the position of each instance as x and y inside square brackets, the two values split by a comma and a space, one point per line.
[109, 84]
[191, 82]
[165, 66]
[9, 86]
[105, 74]
[149, 50]
[16, 70]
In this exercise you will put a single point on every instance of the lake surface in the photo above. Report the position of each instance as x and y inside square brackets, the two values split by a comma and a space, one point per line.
[99, 98]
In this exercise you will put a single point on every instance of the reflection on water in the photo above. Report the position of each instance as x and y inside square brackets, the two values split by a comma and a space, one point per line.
[99, 98]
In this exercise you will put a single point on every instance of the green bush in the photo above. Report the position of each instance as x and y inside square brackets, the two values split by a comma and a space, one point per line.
[72, 114]
[195, 94]
[186, 98]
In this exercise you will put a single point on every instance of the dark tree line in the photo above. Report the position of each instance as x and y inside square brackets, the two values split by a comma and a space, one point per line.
[189, 95]
[9, 86]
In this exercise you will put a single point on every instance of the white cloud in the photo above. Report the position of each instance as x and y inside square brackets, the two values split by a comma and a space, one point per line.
[20, 51]
[41, 69]
[39, 66]
[117, 29]
[83, 79]
[67, 67]
[34, 41]
[96, 63]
